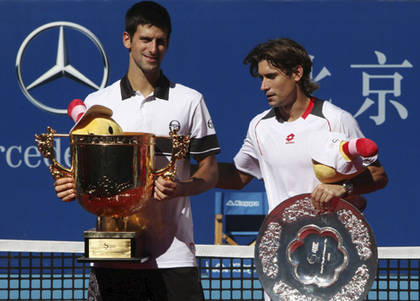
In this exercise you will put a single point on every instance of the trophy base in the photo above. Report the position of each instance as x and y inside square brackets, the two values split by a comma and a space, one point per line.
[111, 246]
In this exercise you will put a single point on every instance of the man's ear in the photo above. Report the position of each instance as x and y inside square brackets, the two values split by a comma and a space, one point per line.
[126, 40]
[298, 73]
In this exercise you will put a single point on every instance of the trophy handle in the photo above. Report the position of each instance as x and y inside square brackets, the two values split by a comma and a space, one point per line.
[180, 144]
[45, 143]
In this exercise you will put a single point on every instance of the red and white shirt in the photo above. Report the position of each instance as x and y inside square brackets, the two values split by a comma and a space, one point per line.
[279, 152]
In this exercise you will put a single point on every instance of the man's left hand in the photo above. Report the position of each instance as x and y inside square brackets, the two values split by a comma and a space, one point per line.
[324, 193]
[166, 189]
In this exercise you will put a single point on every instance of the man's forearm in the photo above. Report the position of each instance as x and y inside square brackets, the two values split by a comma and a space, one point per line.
[204, 177]
[231, 178]
[372, 179]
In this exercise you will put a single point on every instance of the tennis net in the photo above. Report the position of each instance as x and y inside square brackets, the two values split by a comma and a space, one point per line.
[49, 270]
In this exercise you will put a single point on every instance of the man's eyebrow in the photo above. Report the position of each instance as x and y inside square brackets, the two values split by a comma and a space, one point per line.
[270, 73]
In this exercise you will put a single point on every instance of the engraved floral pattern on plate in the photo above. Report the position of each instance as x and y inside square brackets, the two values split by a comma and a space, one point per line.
[304, 254]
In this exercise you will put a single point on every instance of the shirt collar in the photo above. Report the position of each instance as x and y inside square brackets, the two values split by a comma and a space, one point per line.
[161, 90]
[276, 112]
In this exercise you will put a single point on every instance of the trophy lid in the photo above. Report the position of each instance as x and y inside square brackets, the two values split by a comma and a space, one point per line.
[95, 120]
[92, 112]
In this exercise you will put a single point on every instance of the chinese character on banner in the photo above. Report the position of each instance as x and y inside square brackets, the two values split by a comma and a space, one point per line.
[368, 88]
[321, 75]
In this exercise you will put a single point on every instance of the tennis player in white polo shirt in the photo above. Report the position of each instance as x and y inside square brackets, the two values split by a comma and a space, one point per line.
[144, 100]
[274, 149]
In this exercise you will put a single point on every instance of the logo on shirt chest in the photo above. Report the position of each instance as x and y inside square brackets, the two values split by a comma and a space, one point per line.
[174, 125]
[290, 138]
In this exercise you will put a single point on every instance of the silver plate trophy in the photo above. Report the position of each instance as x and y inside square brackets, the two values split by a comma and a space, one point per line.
[302, 254]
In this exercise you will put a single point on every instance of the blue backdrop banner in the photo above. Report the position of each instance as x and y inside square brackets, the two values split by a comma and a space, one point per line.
[365, 55]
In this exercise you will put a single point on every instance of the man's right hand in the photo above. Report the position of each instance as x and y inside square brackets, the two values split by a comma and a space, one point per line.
[65, 189]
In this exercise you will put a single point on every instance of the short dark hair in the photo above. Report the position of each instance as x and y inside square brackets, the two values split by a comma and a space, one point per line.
[147, 13]
[286, 55]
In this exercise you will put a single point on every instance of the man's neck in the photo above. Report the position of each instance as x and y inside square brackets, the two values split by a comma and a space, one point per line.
[142, 82]
[296, 109]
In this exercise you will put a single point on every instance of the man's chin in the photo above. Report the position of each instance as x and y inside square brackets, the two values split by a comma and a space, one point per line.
[151, 68]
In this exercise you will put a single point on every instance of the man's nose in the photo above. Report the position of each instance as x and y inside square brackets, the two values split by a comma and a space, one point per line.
[264, 86]
[153, 47]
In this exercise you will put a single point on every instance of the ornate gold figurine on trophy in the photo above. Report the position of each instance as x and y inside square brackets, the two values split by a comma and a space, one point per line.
[113, 173]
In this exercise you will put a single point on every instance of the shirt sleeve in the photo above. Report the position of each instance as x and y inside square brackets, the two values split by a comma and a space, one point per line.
[348, 126]
[203, 134]
[246, 160]
[90, 100]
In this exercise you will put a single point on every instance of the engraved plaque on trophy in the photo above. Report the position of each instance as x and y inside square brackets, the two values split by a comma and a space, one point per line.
[304, 254]
[114, 177]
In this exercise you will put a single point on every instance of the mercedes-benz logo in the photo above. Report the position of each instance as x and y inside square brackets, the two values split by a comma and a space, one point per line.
[62, 66]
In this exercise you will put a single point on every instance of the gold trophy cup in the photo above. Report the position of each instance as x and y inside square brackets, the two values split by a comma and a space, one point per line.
[114, 177]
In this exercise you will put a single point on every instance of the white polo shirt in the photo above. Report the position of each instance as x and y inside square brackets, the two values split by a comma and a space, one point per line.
[278, 151]
[170, 105]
